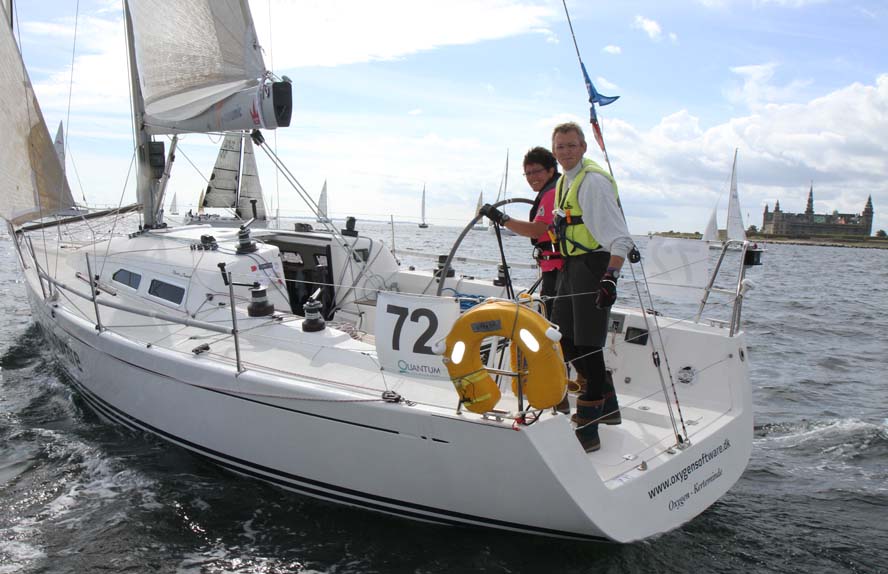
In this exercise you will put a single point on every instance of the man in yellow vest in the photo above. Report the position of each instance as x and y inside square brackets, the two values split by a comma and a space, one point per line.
[594, 241]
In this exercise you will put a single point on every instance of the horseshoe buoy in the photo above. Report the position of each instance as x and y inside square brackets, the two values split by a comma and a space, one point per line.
[545, 380]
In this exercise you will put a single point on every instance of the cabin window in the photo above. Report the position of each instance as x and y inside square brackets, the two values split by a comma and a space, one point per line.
[320, 260]
[363, 253]
[166, 291]
[128, 278]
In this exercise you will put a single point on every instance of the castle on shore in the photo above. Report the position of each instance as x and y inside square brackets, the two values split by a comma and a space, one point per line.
[778, 222]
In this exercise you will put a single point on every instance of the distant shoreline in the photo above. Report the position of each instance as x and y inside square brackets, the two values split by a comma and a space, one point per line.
[869, 243]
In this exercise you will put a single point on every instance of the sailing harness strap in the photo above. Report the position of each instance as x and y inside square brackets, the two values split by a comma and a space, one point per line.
[567, 229]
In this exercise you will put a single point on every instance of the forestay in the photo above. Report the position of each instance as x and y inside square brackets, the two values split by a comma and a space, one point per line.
[32, 181]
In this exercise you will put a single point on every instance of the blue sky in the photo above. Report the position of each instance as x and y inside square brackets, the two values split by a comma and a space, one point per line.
[393, 95]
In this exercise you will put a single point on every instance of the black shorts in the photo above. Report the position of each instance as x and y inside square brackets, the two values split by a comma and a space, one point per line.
[577, 315]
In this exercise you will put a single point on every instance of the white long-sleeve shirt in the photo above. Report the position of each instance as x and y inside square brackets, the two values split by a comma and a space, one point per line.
[602, 215]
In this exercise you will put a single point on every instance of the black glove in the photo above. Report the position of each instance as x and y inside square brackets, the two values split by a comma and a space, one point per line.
[607, 291]
[493, 214]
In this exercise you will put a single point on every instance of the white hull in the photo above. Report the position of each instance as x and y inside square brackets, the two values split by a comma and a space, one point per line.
[306, 414]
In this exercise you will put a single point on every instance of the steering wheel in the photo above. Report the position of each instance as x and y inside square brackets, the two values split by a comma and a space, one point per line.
[471, 224]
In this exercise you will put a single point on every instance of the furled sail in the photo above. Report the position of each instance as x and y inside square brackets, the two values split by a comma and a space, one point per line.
[222, 189]
[32, 181]
[735, 218]
[250, 186]
[194, 55]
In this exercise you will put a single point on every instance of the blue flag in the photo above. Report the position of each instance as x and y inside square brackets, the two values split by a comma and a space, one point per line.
[594, 96]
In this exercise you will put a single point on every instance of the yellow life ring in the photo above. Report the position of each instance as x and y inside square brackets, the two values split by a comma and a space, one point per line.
[545, 380]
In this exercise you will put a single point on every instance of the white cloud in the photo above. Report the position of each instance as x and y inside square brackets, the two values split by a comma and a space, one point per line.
[301, 30]
[601, 82]
[678, 168]
[650, 27]
[758, 90]
[673, 37]
[611, 49]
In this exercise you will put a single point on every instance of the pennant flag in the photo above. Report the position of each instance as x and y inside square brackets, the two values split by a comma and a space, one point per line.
[596, 98]
[596, 129]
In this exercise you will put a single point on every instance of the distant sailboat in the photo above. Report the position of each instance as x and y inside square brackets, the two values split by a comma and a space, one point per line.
[503, 193]
[174, 206]
[735, 229]
[322, 205]
[423, 224]
[234, 183]
[479, 226]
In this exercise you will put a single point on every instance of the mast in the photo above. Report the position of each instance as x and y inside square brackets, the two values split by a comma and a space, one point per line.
[146, 184]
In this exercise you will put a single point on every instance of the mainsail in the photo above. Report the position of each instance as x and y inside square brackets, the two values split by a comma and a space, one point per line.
[736, 230]
[201, 68]
[32, 180]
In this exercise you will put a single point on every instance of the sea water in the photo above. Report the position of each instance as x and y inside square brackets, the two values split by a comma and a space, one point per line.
[79, 495]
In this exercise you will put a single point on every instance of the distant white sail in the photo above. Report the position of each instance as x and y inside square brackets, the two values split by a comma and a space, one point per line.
[222, 189]
[323, 216]
[423, 223]
[711, 232]
[250, 186]
[480, 203]
[174, 206]
[735, 219]
[32, 179]
[60, 144]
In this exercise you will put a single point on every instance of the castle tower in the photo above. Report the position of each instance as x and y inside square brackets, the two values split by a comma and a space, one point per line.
[809, 210]
[868, 213]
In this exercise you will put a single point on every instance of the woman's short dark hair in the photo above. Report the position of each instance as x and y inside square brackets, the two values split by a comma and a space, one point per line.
[541, 156]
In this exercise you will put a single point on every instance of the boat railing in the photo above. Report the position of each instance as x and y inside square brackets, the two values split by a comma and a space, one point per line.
[737, 293]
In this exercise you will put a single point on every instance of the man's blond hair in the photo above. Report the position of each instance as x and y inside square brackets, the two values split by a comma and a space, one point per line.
[568, 127]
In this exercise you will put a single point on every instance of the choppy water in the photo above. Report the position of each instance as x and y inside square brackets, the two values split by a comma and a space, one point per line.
[78, 495]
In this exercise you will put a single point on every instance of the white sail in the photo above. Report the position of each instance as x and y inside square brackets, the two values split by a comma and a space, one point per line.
[32, 179]
[323, 217]
[735, 218]
[199, 53]
[711, 232]
[60, 144]
[250, 186]
[480, 203]
[423, 223]
[174, 206]
[222, 189]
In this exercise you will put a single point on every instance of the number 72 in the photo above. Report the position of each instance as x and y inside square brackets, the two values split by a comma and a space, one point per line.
[421, 345]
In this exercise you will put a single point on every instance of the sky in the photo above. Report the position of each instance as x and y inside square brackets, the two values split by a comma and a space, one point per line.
[392, 96]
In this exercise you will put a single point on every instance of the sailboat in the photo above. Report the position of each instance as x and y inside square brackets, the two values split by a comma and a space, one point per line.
[502, 193]
[322, 205]
[735, 232]
[314, 361]
[234, 185]
[423, 224]
[174, 206]
[479, 226]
